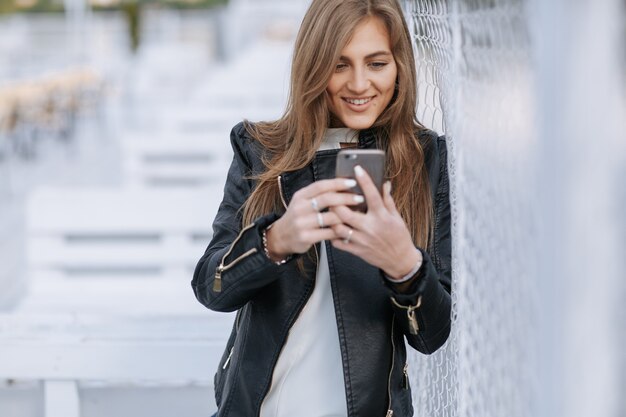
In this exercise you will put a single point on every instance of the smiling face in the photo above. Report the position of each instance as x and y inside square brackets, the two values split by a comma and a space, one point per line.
[364, 79]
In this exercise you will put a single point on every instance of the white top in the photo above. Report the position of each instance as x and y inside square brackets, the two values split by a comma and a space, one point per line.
[308, 376]
[333, 137]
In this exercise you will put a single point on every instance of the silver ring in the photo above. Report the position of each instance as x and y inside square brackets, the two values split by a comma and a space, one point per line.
[347, 239]
[314, 204]
[320, 220]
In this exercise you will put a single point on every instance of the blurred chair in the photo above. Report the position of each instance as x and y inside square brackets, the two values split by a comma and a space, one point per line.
[39, 109]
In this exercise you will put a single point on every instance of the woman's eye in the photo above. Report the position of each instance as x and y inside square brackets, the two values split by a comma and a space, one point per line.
[340, 67]
[378, 65]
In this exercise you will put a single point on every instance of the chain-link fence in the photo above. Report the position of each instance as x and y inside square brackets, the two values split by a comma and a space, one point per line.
[515, 87]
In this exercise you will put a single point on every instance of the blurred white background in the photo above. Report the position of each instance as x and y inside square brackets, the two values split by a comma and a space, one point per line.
[112, 163]
[114, 145]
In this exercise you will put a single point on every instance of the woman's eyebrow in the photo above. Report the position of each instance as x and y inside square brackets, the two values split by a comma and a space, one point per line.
[369, 56]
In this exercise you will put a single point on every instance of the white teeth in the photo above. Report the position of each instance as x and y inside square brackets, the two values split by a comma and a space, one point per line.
[358, 101]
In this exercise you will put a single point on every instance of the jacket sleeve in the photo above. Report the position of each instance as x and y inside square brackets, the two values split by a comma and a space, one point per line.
[424, 311]
[234, 266]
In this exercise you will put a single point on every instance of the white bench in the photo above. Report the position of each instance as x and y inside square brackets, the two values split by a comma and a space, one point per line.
[89, 248]
[62, 351]
[176, 160]
[109, 296]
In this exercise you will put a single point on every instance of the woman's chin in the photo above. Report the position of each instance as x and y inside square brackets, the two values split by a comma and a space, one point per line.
[355, 122]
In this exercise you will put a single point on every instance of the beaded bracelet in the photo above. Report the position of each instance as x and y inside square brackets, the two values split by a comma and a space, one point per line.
[267, 252]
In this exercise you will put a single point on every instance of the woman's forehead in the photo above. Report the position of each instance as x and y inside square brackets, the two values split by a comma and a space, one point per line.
[368, 38]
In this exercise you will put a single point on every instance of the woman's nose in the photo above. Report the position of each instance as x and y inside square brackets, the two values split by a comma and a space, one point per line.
[359, 82]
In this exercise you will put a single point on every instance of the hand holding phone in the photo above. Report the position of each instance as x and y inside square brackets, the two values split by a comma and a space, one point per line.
[371, 160]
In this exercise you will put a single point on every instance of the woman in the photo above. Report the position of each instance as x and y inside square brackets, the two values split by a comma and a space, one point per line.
[326, 295]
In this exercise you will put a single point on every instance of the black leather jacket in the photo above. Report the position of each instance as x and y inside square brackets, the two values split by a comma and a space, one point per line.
[372, 318]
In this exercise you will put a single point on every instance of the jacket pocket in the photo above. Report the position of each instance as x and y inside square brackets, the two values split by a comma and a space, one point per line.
[224, 364]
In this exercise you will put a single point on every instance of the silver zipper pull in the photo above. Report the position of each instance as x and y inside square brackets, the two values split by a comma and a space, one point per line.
[389, 413]
[228, 358]
[413, 326]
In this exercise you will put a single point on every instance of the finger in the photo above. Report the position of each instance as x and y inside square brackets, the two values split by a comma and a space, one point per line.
[338, 199]
[318, 235]
[352, 218]
[350, 247]
[371, 193]
[344, 233]
[322, 220]
[324, 186]
[388, 199]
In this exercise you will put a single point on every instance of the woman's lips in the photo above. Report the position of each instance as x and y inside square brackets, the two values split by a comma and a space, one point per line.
[358, 104]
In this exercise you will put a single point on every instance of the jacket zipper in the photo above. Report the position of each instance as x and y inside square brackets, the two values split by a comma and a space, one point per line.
[414, 327]
[291, 323]
[393, 359]
[217, 283]
[405, 377]
[280, 191]
[232, 348]
[282, 199]
[230, 354]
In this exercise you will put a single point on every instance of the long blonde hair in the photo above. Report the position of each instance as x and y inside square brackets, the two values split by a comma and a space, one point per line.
[292, 140]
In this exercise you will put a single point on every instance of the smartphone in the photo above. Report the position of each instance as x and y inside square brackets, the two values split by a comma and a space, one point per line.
[371, 160]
